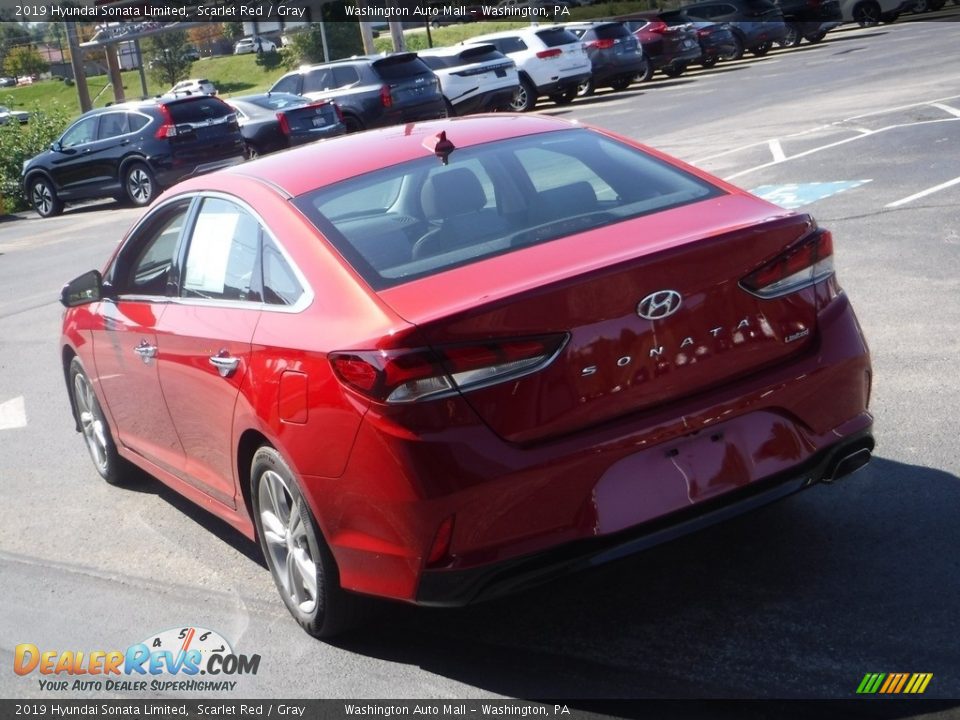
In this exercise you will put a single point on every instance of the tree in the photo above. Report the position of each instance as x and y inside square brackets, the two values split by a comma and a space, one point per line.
[343, 36]
[203, 36]
[166, 57]
[24, 61]
[233, 30]
[12, 34]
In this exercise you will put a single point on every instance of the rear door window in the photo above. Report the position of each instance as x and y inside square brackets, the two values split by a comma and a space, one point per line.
[113, 125]
[345, 75]
[223, 257]
[317, 80]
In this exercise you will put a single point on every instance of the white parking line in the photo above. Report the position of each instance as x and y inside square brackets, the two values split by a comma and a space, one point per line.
[924, 193]
[946, 108]
[13, 414]
[777, 151]
[901, 107]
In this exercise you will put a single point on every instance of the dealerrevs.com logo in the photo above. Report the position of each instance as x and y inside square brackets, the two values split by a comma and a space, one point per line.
[172, 660]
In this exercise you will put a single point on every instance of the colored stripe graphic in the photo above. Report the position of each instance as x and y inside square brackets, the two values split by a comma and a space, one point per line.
[894, 683]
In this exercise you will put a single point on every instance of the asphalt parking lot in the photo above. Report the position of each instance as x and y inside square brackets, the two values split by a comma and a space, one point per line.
[800, 599]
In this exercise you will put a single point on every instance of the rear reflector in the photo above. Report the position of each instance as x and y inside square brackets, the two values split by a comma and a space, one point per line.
[440, 549]
[403, 376]
[800, 266]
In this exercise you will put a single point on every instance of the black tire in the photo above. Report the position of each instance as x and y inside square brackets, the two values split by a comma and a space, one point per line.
[761, 49]
[621, 83]
[525, 97]
[564, 98]
[252, 151]
[647, 72]
[890, 17]
[139, 185]
[299, 559]
[815, 37]
[709, 62]
[43, 197]
[94, 427]
[674, 71]
[792, 38]
[934, 5]
[352, 123]
[586, 88]
[920, 6]
[866, 14]
[739, 48]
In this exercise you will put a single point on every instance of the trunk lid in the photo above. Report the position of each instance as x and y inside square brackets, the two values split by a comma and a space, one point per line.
[589, 286]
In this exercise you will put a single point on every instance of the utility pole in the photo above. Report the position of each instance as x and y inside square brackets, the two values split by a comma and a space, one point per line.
[115, 78]
[396, 33]
[76, 61]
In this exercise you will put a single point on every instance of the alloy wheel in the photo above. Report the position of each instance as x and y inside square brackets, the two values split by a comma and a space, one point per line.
[140, 186]
[91, 422]
[286, 538]
[42, 198]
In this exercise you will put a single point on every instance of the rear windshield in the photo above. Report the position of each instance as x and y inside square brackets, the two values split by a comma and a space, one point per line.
[611, 31]
[198, 108]
[467, 56]
[420, 218]
[556, 36]
[278, 101]
[394, 68]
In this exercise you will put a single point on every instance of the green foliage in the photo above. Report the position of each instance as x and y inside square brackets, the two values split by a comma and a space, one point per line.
[22, 142]
[12, 34]
[24, 61]
[269, 60]
[233, 30]
[165, 56]
[343, 38]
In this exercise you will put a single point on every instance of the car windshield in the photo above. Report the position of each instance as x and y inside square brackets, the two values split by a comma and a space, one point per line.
[421, 217]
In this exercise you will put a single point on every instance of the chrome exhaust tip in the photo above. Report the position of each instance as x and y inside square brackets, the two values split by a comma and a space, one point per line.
[849, 464]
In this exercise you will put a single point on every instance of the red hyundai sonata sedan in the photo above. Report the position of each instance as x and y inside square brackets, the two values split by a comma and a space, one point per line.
[443, 361]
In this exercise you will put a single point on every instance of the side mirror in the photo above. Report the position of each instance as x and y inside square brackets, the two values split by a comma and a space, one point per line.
[86, 288]
[56, 146]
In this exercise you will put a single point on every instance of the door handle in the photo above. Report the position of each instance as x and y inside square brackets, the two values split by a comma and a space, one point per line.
[146, 351]
[224, 364]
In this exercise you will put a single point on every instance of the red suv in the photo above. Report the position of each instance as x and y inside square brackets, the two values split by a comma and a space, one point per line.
[444, 361]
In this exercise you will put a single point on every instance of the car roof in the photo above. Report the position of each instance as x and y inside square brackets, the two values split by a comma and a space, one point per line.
[450, 49]
[359, 153]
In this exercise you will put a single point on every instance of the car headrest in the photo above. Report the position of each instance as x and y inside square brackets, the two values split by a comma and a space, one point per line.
[452, 192]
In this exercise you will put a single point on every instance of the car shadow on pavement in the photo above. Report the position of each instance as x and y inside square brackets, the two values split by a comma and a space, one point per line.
[797, 600]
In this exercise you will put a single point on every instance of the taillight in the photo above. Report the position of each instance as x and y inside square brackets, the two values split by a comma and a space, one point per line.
[704, 32]
[402, 376]
[284, 123]
[167, 127]
[601, 44]
[386, 99]
[551, 53]
[338, 111]
[658, 27]
[806, 263]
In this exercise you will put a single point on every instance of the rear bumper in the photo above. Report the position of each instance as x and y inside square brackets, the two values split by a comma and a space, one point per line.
[604, 73]
[563, 83]
[461, 587]
[524, 513]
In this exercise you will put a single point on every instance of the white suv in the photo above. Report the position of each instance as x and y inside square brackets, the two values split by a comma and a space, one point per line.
[200, 86]
[473, 78]
[551, 61]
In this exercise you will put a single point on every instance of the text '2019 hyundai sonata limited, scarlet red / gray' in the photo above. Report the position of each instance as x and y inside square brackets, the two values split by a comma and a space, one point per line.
[442, 361]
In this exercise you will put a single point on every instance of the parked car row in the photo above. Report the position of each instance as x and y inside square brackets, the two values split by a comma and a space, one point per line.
[132, 151]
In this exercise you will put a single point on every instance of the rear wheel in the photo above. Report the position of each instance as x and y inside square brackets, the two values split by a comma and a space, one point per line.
[866, 14]
[585, 89]
[564, 98]
[762, 49]
[44, 198]
[352, 123]
[302, 565]
[139, 184]
[646, 73]
[792, 38]
[709, 62]
[524, 98]
[621, 83]
[674, 71]
[890, 17]
[252, 151]
[738, 48]
[815, 37]
[93, 425]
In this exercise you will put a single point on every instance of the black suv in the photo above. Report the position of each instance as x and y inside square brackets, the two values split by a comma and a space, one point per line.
[133, 150]
[756, 24]
[371, 91]
[809, 19]
[615, 55]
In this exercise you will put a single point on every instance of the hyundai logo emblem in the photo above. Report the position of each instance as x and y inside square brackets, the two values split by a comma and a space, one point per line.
[660, 304]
